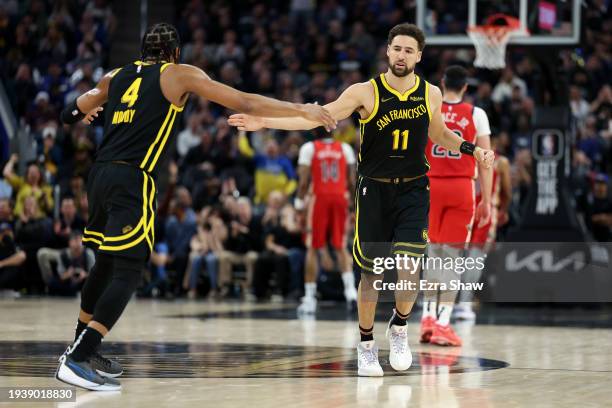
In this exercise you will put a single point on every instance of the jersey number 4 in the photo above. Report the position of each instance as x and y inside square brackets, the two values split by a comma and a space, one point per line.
[131, 94]
[396, 139]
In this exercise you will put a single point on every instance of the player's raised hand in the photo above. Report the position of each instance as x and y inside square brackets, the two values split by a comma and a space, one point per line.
[91, 115]
[316, 113]
[484, 156]
[246, 122]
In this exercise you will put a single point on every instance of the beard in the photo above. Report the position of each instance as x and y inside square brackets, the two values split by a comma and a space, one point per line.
[401, 71]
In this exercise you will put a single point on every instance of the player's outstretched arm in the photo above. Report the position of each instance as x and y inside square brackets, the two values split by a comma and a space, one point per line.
[349, 101]
[87, 106]
[440, 134]
[193, 79]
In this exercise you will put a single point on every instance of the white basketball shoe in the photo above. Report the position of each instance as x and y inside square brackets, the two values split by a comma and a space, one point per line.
[464, 311]
[308, 305]
[367, 360]
[400, 356]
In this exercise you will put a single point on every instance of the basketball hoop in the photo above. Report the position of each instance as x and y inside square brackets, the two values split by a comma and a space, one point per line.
[491, 39]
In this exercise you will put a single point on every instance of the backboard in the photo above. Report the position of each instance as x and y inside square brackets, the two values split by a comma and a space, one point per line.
[550, 22]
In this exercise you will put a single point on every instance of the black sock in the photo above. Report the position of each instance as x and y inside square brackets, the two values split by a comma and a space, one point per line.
[79, 328]
[366, 334]
[86, 344]
[398, 319]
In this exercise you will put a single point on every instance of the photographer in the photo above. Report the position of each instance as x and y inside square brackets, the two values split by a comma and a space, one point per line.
[11, 259]
[206, 245]
[283, 257]
[69, 220]
[242, 245]
[74, 264]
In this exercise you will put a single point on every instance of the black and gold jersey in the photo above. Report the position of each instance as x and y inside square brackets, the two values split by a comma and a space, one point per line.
[394, 136]
[139, 119]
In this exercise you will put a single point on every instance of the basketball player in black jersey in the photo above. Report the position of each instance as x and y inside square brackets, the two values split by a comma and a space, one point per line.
[143, 101]
[398, 111]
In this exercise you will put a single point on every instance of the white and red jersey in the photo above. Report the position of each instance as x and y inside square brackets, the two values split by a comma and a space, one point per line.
[327, 160]
[467, 121]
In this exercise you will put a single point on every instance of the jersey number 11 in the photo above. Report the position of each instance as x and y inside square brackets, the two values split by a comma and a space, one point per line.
[396, 139]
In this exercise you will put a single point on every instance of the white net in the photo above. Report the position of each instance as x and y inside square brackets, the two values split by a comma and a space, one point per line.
[490, 43]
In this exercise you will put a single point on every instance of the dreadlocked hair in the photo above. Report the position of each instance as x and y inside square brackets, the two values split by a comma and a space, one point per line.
[159, 43]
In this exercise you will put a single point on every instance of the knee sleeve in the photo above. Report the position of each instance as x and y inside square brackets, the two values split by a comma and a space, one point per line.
[125, 279]
[98, 279]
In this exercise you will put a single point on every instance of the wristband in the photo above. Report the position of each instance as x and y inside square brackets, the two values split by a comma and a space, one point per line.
[72, 114]
[298, 203]
[467, 148]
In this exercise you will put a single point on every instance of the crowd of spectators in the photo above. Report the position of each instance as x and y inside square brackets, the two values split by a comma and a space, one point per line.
[225, 225]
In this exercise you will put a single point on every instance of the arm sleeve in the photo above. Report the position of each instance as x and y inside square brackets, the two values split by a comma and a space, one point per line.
[481, 122]
[306, 154]
[349, 154]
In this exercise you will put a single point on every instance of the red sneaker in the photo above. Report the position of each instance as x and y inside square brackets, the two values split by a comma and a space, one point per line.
[427, 326]
[444, 336]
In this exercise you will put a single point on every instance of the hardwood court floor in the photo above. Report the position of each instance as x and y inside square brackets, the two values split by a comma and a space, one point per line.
[205, 354]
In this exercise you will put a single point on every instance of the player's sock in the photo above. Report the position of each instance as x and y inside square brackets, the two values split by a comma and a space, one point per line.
[86, 344]
[429, 309]
[350, 293]
[310, 289]
[348, 279]
[79, 329]
[366, 334]
[445, 315]
[398, 319]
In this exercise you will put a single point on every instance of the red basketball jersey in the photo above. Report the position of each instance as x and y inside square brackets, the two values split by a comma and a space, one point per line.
[328, 168]
[458, 118]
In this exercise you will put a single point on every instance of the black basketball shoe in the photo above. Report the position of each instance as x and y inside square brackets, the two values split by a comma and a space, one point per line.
[105, 366]
[82, 374]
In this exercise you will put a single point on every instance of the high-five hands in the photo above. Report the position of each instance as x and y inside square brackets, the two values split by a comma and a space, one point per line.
[246, 122]
[316, 113]
[310, 111]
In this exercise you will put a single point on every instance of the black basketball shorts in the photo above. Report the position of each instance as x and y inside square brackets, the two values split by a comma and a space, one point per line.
[122, 204]
[390, 219]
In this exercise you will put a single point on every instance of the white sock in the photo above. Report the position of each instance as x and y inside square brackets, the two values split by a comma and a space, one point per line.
[429, 309]
[310, 289]
[445, 314]
[349, 280]
[466, 305]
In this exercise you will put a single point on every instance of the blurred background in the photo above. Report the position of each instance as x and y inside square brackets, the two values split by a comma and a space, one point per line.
[219, 181]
